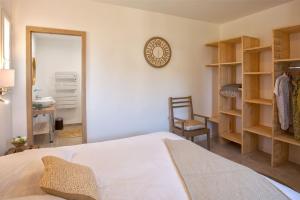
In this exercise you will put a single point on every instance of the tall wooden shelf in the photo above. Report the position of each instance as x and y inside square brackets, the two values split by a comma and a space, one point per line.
[246, 119]
[257, 77]
[286, 53]
[227, 112]
[230, 55]
[214, 49]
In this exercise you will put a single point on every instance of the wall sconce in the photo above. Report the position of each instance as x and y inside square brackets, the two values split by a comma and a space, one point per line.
[7, 80]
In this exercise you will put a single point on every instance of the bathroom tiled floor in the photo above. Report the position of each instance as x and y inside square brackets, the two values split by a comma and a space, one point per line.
[70, 135]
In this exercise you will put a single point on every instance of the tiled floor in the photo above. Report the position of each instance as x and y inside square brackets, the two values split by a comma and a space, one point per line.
[288, 174]
[70, 135]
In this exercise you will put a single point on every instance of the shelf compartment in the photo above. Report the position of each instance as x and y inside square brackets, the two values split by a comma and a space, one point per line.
[258, 49]
[230, 51]
[212, 65]
[287, 139]
[258, 59]
[286, 43]
[233, 136]
[260, 130]
[261, 101]
[281, 149]
[257, 73]
[230, 128]
[233, 112]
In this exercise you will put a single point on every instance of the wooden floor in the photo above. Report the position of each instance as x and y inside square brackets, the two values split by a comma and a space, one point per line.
[287, 174]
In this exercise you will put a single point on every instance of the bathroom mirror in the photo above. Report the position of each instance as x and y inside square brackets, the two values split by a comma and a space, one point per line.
[55, 87]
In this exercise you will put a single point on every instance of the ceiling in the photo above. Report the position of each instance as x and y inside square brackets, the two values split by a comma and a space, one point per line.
[215, 11]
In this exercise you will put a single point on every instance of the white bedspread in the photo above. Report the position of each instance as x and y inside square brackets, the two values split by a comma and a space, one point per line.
[134, 168]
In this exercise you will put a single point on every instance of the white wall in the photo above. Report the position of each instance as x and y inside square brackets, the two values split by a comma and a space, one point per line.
[125, 96]
[58, 53]
[5, 126]
[5, 110]
[261, 25]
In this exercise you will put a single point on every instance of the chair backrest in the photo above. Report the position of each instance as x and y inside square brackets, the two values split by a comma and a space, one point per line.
[180, 102]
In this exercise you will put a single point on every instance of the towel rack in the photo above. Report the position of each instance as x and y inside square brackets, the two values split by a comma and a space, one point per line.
[67, 87]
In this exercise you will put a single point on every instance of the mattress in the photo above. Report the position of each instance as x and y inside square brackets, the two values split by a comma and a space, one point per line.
[132, 168]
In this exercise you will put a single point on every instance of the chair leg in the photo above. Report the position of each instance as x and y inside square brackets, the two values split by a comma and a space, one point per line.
[192, 138]
[208, 139]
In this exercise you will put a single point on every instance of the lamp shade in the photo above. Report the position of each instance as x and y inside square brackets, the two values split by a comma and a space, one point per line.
[7, 78]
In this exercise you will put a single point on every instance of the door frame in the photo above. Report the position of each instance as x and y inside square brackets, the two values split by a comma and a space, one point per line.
[34, 29]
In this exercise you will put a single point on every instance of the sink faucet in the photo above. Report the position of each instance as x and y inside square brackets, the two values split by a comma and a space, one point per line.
[37, 93]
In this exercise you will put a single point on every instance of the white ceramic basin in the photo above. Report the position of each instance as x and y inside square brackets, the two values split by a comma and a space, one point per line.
[43, 102]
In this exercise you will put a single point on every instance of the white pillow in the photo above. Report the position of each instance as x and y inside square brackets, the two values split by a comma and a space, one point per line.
[20, 173]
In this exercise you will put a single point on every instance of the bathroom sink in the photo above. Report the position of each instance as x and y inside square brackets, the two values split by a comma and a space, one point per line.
[43, 102]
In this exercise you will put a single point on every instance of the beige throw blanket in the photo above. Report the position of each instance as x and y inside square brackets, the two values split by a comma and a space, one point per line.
[208, 176]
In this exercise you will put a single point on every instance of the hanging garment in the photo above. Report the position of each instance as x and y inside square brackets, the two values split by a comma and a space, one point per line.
[296, 108]
[282, 92]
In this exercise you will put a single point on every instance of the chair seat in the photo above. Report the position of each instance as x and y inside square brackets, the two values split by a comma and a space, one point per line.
[190, 125]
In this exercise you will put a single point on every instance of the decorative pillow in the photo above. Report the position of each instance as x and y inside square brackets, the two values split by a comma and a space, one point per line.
[68, 180]
[38, 197]
[21, 173]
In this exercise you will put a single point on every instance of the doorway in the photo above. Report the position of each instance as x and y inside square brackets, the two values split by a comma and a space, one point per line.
[55, 86]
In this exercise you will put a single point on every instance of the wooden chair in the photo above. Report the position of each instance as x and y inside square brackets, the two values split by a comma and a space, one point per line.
[188, 128]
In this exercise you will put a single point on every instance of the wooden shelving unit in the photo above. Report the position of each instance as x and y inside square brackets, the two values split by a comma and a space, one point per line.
[257, 77]
[214, 49]
[286, 54]
[246, 119]
[257, 71]
[230, 72]
[227, 65]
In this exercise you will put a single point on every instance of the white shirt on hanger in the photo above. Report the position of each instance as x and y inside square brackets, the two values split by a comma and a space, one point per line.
[282, 92]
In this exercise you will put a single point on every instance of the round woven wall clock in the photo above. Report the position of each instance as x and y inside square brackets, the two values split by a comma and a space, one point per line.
[157, 52]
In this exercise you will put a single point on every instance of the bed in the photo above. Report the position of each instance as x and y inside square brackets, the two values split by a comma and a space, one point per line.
[132, 168]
